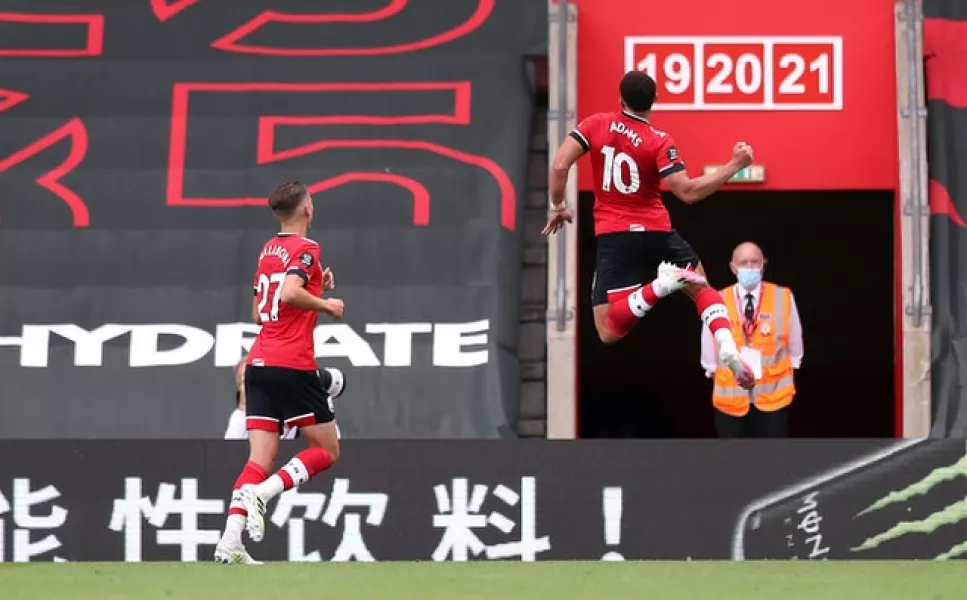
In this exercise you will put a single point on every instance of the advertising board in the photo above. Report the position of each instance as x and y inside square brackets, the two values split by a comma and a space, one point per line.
[434, 500]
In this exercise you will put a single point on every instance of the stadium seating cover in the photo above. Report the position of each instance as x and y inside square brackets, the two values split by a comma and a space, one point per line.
[138, 142]
[944, 29]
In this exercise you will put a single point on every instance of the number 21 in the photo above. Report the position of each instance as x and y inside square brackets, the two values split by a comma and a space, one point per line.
[791, 84]
[264, 286]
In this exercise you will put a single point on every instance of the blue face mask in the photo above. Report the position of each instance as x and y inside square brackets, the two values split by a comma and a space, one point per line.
[748, 277]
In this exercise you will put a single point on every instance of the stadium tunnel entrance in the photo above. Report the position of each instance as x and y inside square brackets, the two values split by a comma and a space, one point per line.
[834, 249]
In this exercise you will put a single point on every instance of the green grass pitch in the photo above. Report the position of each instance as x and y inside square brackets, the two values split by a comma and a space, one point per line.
[774, 580]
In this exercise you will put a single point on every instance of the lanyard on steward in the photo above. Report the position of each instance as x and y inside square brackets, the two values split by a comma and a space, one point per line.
[748, 327]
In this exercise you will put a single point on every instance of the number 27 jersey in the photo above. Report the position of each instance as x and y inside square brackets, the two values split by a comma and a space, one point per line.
[629, 158]
[287, 335]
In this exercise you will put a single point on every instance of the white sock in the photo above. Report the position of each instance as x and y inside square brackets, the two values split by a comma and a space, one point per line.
[723, 335]
[713, 312]
[724, 339]
[659, 288]
[270, 488]
[233, 530]
[636, 302]
[273, 486]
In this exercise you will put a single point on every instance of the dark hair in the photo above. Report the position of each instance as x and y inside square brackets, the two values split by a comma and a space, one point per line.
[287, 197]
[637, 91]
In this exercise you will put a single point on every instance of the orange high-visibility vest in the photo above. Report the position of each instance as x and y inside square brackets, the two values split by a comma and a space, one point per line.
[771, 337]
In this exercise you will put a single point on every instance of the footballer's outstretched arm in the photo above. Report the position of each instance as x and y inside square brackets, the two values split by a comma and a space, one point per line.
[691, 190]
[295, 294]
[567, 154]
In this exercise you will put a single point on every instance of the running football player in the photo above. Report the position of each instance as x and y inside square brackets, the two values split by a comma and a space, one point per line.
[283, 386]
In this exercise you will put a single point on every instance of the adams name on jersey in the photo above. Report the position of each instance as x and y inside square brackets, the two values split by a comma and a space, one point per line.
[629, 158]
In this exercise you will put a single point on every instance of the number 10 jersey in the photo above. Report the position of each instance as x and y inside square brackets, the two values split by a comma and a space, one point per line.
[629, 158]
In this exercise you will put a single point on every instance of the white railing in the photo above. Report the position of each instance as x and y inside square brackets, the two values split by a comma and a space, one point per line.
[915, 219]
[562, 258]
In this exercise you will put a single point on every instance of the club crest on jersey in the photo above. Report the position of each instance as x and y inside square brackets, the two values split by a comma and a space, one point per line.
[306, 259]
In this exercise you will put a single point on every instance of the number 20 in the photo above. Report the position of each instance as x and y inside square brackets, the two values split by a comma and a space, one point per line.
[613, 172]
[264, 286]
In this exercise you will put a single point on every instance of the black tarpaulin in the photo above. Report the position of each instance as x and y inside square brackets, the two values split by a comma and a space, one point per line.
[945, 55]
[138, 141]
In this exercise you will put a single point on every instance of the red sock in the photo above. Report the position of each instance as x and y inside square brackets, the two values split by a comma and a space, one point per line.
[627, 307]
[304, 466]
[712, 310]
[251, 473]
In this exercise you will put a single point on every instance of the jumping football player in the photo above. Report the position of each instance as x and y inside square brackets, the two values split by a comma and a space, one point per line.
[283, 387]
[629, 159]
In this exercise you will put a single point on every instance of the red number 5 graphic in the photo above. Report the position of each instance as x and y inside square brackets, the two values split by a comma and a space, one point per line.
[267, 152]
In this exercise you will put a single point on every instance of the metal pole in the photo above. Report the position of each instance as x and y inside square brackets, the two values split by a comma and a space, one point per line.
[916, 199]
[561, 292]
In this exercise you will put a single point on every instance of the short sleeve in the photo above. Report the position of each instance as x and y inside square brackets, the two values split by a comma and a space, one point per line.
[304, 262]
[584, 133]
[668, 160]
